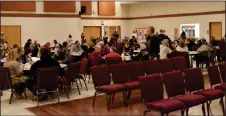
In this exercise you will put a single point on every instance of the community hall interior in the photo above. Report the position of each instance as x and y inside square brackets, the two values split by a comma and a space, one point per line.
[113, 58]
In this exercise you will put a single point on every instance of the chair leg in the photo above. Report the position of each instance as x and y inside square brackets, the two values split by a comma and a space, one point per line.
[66, 89]
[113, 97]
[85, 83]
[187, 110]
[77, 87]
[182, 112]
[124, 98]
[80, 82]
[25, 94]
[58, 97]
[129, 94]
[208, 108]
[109, 101]
[94, 98]
[203, 110]
[222, 105]
[11, 96]
[89, 78]
[37, 98]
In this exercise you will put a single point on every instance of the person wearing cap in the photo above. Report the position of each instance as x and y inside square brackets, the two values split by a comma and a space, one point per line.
[164, 49]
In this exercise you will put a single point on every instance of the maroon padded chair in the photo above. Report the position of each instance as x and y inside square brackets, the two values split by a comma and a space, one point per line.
[153, 96]
[71, 74]
[151, 67]
[83, 69]
[135, 71]
[184, 54]
[6, 82]
[195, 84]
[215, 79]
[165, 65]
[222, 67]
[175, 88]
[102, 83]
[179, 63]
[110, 61]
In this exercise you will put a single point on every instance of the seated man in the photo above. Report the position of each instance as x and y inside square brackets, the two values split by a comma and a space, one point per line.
[204, 51]
[45, 61]
[63, 55]
[113, 54]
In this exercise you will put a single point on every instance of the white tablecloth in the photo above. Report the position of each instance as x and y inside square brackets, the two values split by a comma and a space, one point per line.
[27, 66]
[193, 52]
[76, 53]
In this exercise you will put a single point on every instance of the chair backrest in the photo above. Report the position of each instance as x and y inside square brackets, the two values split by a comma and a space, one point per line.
[165, 65]
[194, 79]
[72, 71]
[214, 75]
[110, 61]
[174, 83]
[120, 73]
[84, 64]
[47, 78]
[101, 75]
[151, 87]
[184, 54]
[5, 79]
[151, 67]
[136, 70]
[222, 67]
[179, 63]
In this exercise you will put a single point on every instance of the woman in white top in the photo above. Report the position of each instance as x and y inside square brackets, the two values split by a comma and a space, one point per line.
[164, 49]
[182, 47]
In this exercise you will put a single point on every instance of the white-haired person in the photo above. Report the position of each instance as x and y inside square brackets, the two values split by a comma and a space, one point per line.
[95, 57]
[104, 48]
[164, 49]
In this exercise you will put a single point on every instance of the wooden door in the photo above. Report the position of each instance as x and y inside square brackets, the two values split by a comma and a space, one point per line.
[112, 30]
[12, 34]
[91, 32]
[216, 30]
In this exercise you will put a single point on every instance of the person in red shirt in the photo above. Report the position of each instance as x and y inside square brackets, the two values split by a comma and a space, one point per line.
[113, 54]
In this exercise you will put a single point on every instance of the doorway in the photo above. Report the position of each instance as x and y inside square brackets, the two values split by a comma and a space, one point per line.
[91, 32]
[215, 30]
[12, 34]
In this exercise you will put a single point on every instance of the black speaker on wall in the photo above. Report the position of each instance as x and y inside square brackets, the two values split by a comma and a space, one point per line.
[83, 10]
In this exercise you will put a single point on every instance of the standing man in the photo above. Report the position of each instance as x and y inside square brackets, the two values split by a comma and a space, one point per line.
[153, 43]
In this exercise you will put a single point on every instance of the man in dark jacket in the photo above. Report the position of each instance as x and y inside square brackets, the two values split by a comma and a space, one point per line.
[153, 43]
[45, 61]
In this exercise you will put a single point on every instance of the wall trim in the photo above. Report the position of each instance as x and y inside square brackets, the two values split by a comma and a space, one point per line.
[109, 18]
[39, 15]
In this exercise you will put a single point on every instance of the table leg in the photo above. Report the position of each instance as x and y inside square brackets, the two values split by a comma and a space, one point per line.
[191, 61]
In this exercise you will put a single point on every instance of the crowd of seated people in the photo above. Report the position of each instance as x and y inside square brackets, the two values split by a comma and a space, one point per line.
[152, 47]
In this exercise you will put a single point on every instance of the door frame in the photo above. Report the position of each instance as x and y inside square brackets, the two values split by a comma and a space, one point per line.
[210, 29]
[95, 26]
[15, 26]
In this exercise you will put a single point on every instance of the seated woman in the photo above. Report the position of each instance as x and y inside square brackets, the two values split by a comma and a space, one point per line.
[16, 73]
[164, 49]
[182, 47]
[45, 61]
[95, 57]
[22, 57]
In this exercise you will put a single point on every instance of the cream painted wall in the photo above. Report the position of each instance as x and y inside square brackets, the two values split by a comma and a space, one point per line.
[161, 8]
[170, 23]
[47, 29]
